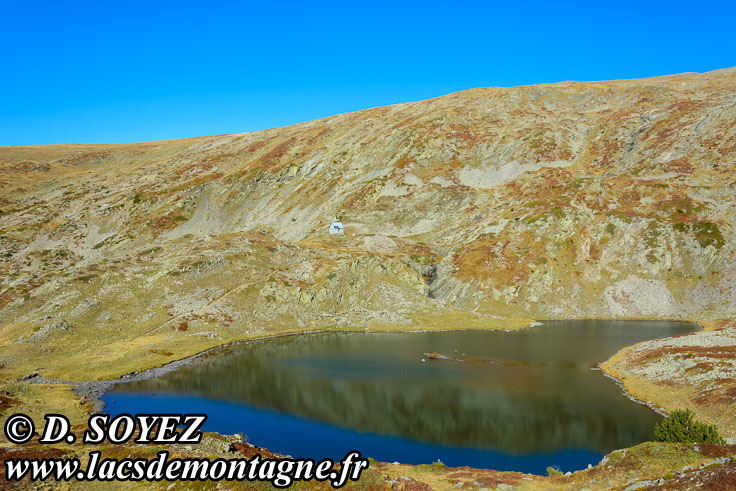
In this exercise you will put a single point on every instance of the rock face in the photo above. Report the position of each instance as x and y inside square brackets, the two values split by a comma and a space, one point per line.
[635, 296]
[571, 199]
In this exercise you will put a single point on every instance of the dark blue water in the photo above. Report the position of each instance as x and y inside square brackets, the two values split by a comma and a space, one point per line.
[508, 401]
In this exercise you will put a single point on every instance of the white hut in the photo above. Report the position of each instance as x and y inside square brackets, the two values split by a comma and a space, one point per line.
[337, 228]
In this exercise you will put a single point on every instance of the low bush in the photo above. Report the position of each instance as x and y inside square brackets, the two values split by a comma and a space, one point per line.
[681, 427]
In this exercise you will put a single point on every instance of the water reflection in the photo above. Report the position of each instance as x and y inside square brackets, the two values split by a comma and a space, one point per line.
[517, 393]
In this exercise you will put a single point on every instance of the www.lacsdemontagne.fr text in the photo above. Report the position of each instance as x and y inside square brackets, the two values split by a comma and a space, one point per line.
[279, 472]
[160, 429]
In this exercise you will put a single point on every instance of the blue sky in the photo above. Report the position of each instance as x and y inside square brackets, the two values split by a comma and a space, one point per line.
[106, 71]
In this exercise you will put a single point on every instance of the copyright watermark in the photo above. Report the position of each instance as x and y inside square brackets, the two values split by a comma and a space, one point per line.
[160, 429]
[19, 428]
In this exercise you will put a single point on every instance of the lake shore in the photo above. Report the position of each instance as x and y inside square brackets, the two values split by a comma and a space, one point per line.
[37, 395]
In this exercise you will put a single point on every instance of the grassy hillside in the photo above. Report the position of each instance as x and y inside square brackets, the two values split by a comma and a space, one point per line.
[486, 208]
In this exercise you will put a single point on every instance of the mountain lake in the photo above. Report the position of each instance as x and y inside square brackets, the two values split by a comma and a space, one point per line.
[517, 400]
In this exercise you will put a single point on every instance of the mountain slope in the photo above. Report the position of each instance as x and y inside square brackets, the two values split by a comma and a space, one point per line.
[488, 207]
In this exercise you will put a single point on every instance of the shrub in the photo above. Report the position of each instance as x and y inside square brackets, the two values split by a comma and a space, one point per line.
[553, 471]
[682, 427]
[708, 233]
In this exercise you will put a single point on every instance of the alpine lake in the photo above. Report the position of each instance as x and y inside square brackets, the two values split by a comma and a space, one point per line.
[505, 400]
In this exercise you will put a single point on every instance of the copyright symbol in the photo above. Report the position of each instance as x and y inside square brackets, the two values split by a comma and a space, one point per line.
[19, 428]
